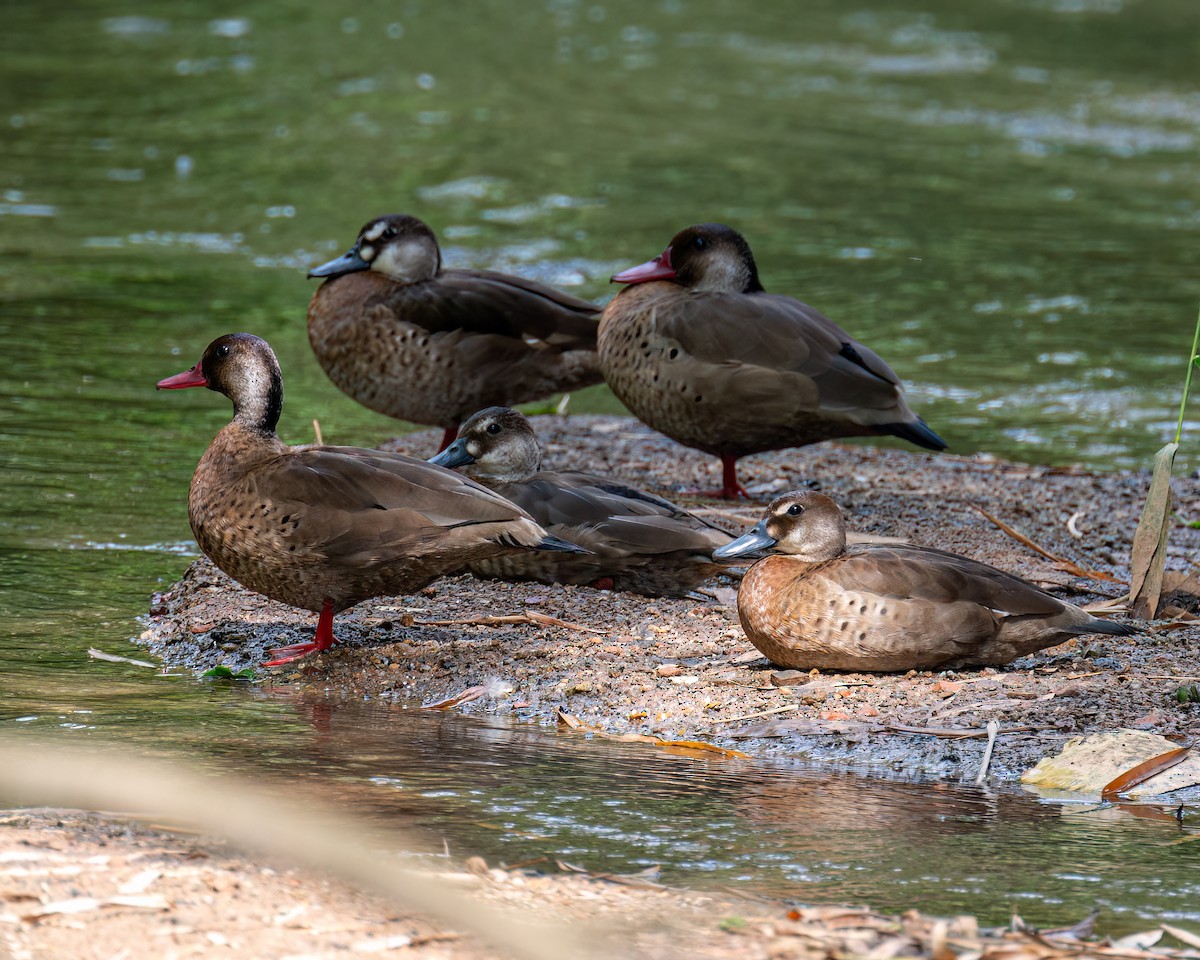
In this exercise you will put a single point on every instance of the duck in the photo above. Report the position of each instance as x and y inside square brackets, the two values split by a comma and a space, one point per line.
[816, 603]
[696, 349]
[637, 542]
[408, 338]
[325, 527]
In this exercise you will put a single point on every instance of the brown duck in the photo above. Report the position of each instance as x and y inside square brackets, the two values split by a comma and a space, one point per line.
[897, 607]
[320, 527]
[636, 541]
[403, 336]
[699, 351]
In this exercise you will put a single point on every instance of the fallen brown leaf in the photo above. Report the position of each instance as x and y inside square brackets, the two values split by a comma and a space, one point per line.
[1149, 554]
[466, 696]
[1143, 772]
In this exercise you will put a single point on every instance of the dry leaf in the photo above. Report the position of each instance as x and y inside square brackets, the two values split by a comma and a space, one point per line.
[1143, 772]
[466, 696]
[1089, 764]
[1139, 941]
[1150, 541]
[1184, 936]
[569, 720]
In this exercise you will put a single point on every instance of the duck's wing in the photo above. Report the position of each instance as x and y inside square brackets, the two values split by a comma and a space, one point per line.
[761, 347]
[485, 302]
[925, 573]
[368, 506]
[608, 517]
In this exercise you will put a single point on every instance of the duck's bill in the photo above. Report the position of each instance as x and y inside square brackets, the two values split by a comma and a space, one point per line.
[454, 455]
[657, 269]
[756, 541]
[347, 263]
[189, 378]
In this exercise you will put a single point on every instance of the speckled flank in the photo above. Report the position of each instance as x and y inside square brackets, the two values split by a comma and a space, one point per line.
[306, 525]
[890, 607]
[432, 346]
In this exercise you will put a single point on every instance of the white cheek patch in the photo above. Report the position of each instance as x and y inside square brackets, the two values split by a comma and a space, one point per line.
[374, 231]
[367, 252]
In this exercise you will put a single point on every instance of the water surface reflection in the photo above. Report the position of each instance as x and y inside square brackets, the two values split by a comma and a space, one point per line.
[513, 794]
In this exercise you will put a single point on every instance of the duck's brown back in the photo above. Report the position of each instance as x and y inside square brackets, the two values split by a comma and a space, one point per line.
[434, 352]
[735, 373]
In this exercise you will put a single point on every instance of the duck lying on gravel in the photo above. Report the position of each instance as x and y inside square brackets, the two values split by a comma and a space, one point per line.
[406, 338]
[323, 528]
[636, 541]
[886, 607]
[696, 349]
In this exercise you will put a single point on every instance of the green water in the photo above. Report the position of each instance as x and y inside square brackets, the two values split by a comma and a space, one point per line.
[1000, 197]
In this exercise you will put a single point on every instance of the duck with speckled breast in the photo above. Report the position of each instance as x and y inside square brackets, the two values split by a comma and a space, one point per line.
[324, 527]
[636, 541]
[406, 337]
[698, 350]
[820, 604]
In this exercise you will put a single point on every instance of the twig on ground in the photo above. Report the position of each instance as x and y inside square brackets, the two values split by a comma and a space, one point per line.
[1068, 566]
[958, 733]
[113, 658]
[541, 619]
[761, 713]
[993, 728]
[1071, 528]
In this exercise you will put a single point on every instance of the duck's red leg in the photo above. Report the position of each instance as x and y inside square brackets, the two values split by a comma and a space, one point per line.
[322, 640]
[730, 489]
[448, 437]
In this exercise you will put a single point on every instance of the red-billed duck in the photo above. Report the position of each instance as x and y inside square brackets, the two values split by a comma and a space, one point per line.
[696, 349]
[323, 527]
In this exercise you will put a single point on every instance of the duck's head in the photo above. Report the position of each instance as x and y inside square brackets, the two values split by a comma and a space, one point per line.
[704, 257]
[497, 443]
[801, 524]
[242, 367]
[398, 246]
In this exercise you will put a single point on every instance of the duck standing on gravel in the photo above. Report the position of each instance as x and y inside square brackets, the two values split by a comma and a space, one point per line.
[872, 607]
[404, 337]
[696, 349]
[324, 528]
[636, 541]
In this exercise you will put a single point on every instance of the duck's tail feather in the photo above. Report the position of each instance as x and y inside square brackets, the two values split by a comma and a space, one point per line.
[559, 545]
[915, 431]
[1111, 627]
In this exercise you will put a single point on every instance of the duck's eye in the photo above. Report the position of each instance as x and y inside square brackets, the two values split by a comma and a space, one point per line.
[493, 428]
[389, 232]
[223, 350]
[795, 510]
[699, 243]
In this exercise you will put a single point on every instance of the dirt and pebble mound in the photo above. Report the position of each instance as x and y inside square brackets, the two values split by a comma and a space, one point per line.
[625, 665]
